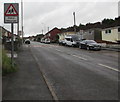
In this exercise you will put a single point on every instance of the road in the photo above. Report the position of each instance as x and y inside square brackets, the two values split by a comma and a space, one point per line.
[75, 74]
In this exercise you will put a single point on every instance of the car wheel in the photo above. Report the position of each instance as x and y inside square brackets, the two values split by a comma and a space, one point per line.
[88, 48]
[80, 46]
[72, 45]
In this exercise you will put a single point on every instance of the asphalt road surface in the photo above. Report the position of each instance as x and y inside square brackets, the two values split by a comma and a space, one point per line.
[75, 74]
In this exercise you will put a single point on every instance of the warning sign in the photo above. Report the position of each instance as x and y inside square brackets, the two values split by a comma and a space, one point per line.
[11, 12]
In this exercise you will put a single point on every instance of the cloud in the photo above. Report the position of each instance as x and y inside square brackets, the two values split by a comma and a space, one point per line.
[39, 14]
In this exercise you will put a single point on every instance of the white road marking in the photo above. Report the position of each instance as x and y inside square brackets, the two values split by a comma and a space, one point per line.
[73, 55]
[58, 50]
[79, 57]
[108, 67]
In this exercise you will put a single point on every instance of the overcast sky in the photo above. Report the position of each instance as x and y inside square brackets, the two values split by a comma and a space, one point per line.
[41, 14]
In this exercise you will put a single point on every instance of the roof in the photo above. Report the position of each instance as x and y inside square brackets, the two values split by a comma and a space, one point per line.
[111, 27]
[52, 30]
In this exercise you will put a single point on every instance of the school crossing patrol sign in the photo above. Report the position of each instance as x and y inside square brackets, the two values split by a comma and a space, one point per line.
[11, 12]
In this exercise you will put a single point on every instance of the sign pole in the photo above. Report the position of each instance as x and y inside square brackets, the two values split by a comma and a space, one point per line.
[12, 44]
[11, 15]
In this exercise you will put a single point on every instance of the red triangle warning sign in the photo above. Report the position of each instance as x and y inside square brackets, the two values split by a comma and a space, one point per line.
[11, 11]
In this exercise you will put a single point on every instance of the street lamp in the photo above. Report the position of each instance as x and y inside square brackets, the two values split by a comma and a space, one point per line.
[22, 19]
[74, 22]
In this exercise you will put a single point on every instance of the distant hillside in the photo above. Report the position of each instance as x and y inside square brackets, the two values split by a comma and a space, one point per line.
[105, 23]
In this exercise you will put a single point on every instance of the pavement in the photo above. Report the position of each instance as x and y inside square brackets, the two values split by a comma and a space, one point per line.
[111, 49]
[27, 83]
[48, 72]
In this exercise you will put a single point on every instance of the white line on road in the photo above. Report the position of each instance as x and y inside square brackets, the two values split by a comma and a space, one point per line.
[73, 55]
[58, 50]
[79, 57]
[108, 67]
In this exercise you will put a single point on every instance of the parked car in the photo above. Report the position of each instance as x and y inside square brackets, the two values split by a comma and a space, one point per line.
[42, 40]
[89, 45]
[27, 41]
[61, 42]
[47, 41]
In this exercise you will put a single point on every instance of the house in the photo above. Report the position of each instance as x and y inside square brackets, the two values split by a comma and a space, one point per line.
[6, 39]
[5, 34]
[111, 35]
[38, 37]
[52, 35]
[92, 34]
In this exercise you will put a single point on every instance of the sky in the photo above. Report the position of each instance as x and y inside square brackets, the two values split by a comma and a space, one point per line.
[40, 14]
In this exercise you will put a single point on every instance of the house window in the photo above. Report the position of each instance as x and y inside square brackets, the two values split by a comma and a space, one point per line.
[90, 32]
[68, 39]
[108, 31]
[118, 29]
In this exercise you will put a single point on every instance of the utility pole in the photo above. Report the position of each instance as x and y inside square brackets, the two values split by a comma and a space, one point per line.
[42, 31]
[22, 19]
[18, 32]
[74, 22]
[12, 44]
[48, 29]
[118, 8]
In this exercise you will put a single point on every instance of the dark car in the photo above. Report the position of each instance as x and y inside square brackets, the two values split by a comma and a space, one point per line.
[27, 41]
[89, 45]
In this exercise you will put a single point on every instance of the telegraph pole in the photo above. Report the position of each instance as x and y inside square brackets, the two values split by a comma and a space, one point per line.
[12, 44]
[74, 22]
[48, 29]
[118, 8]
[18, 32]
[22, 19]
[42, 31]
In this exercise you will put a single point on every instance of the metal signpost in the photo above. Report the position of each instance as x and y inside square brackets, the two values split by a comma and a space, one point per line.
[11, 15]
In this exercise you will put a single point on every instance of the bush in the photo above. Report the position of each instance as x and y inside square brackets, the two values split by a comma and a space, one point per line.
[6, 64]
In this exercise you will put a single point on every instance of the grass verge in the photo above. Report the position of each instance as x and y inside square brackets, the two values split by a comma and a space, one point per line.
[6, 64]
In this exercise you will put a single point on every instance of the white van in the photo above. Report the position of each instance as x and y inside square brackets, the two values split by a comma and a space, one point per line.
[72, 40]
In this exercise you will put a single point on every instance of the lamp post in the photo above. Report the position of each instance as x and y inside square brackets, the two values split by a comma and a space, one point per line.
[22, 19]
[42, 31]
[74, 22]
[118, 8]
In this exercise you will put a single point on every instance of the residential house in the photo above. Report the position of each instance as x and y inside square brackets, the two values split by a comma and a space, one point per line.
[38, 37]
[111, 35]
[6, 38]
[4, 34]
[52, 35]
[92, 34]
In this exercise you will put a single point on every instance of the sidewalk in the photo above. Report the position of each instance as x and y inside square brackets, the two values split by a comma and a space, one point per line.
[111, 49]
[27, 83]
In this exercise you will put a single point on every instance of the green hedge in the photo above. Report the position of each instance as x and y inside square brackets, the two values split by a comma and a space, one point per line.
[6, 64]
